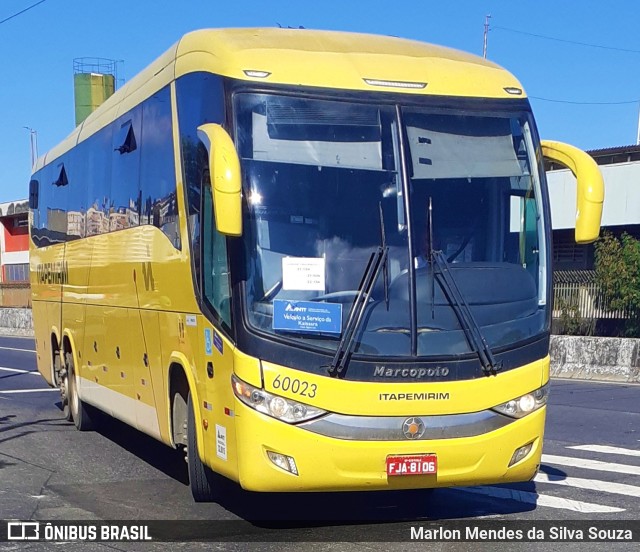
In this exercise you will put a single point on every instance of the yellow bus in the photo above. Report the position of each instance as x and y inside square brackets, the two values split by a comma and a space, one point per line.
[316, 261]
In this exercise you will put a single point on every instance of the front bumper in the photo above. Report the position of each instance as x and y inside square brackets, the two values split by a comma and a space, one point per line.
[331, 464]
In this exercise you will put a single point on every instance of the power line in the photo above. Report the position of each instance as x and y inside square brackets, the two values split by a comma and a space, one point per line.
[626, 102]
[546, 37]
[578, 43]
[21, 12]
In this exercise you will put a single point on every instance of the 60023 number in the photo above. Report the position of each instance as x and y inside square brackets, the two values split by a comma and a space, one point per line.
[295, 385]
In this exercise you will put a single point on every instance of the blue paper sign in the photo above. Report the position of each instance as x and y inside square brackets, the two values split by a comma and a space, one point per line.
[208, 341]
[307, 316]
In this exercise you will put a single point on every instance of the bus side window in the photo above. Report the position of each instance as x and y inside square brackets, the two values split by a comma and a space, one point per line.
[200, 100]
[116, 205]
[157, 169]
[215, 266]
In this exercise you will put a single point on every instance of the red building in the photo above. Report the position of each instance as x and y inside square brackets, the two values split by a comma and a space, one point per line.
[14, 241]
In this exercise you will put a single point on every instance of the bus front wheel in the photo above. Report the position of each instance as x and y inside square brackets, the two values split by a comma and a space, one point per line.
[201, 477]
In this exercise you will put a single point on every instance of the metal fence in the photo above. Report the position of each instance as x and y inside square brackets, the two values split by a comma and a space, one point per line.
[586, 300]
[15, 294]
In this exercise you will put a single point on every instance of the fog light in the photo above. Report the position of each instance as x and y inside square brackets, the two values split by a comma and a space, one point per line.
[520, 453]
[283, 462]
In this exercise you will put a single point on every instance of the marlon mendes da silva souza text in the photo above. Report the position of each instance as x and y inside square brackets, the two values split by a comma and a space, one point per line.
[533, 533]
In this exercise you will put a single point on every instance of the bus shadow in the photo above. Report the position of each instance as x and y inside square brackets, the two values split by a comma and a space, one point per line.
[297, 510]
[330, 509]
[165, 459]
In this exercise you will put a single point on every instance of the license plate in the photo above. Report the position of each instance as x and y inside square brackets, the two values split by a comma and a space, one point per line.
[419, 464]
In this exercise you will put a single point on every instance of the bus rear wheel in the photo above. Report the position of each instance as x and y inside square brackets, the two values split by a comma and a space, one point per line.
[80, 411]
[61, 378]
[202, 479]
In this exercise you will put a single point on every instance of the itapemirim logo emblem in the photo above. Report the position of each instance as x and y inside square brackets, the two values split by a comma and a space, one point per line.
[413, 428]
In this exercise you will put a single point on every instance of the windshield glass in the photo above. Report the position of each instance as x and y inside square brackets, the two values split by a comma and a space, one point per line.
[486, 218]
[323, 182]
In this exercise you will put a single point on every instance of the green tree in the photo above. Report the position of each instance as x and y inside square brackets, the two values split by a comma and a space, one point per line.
[617, 263]
[571, 322]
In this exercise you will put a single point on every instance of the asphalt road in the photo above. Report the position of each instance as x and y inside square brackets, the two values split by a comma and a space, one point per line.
[50, 471]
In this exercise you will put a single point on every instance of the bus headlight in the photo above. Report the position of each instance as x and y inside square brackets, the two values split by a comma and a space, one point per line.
[526, 404]
[275, 406]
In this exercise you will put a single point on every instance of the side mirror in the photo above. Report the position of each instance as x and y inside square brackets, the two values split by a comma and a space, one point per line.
[590, 187]
[224, 167]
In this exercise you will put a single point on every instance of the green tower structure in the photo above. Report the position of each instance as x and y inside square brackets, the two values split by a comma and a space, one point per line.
[94, 80]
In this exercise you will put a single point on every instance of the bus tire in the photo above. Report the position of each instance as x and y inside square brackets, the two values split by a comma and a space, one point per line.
[81, 412]
[63, 384]
[201, 477]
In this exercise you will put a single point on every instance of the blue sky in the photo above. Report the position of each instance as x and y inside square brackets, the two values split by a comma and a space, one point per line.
[37, 49]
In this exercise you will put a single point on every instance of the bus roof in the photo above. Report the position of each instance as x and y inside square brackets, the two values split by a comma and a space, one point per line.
[323, 59]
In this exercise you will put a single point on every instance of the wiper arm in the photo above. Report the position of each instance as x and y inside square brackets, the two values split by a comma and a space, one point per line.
[383, 242]
[377, 261]
[465, 316]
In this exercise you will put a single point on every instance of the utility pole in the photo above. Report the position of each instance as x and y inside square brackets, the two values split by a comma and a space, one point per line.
[33, 136]
[486, 35]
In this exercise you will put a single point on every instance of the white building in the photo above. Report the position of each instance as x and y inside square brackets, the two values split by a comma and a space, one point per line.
[621, 212]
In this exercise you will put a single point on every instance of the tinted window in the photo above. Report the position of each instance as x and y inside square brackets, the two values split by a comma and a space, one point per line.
[118, 178]
[50, 219]
[96, 161]
[215, 267]
[157, 170]
[200, 101]
[122, 207]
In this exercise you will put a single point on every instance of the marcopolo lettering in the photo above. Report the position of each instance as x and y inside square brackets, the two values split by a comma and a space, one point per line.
[384, 372]
[53, 273]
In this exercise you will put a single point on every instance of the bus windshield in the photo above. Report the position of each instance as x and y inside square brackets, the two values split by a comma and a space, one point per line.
[328, 182]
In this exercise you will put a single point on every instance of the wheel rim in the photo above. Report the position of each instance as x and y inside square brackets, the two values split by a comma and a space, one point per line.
[73, 395]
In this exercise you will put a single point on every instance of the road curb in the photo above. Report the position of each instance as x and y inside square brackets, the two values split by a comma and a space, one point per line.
[16, 321]
[595, 358]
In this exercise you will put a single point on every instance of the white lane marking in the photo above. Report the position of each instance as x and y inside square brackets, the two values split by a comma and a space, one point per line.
[541, 500]
[590, 464]
[20, 371]
[8, 391]
[16, 349]
[590, 484]
[607, 450]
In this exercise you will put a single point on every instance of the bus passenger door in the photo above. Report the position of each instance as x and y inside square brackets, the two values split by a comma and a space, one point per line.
[217, 349]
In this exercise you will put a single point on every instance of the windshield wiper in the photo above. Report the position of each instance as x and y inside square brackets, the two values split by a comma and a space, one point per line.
[377, 261]
[383, 242]
[465, 316]
[438, 261]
